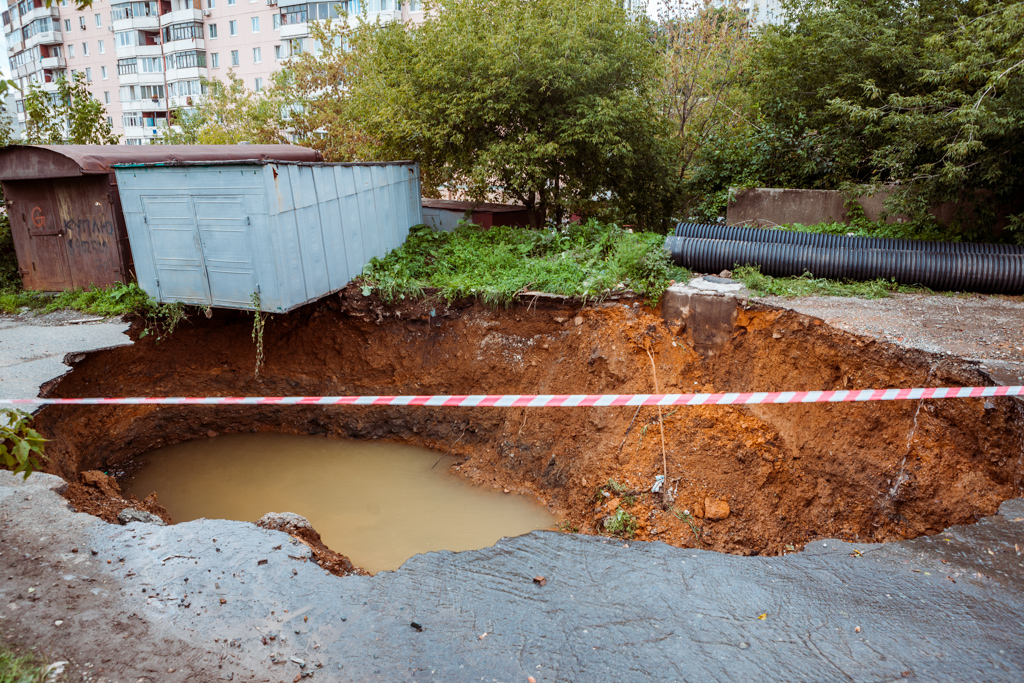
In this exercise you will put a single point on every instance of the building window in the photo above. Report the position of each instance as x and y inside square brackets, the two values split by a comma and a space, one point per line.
[213, 30]
[210, 4]
[255, 24]
[215, 60]
[71, 51]
[99, 21]
[258, 84]
[233, 28]
[296, 46]
[106, 97]
[234, 58]
[189, 31]
[150, 65]
[414, 5]
[103, 72]
[257, 55]
[277, 52]
[185, 60]
[102, 47]
[81, 23]
[88, 73]
[110, 120]
[277, 21]
[127, 66]
[67, 26]
[231, 2]
[126, 38]
[85, 49]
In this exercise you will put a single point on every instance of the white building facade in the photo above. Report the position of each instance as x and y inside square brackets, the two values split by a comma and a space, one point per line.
[143, 59]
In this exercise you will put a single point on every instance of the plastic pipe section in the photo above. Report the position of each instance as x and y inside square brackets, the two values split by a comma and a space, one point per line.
[998, 273]
[811, 239]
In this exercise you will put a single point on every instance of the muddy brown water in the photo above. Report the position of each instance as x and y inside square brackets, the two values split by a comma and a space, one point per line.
[378, 503]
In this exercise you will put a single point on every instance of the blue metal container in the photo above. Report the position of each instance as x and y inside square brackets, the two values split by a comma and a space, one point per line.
[215, 234]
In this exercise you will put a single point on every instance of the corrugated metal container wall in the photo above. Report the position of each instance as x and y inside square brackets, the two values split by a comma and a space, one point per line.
[215, 234]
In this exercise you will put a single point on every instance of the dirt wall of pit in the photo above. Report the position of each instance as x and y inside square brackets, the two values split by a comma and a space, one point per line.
[788, 474]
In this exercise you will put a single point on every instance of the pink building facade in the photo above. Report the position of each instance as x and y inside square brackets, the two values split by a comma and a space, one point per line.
[142, 59]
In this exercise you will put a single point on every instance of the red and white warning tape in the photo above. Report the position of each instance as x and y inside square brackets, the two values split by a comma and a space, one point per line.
[548, 400]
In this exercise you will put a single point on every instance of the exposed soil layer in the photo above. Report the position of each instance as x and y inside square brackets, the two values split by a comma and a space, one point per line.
[755, 480]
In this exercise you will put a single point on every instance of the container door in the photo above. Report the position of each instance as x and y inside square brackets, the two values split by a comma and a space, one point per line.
[223, 224]
[90, 236]
[177, 255]
[35, 208]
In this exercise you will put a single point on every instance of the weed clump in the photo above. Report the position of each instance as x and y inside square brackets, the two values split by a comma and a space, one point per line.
[620, 523]
[588, 260]
[808, 285]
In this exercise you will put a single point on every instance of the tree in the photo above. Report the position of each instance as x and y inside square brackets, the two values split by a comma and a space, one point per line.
[959, 127]
[229, 114]
[550, 103]
[707, 50]
[316, 86]
[69, 116]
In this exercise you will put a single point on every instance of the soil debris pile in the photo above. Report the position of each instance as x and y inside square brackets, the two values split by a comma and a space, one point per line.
[760, 479]
[99, 494]
[299, 528]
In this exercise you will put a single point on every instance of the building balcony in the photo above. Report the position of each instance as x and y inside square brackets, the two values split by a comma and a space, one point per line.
[188, 74]
[182, 45]
[144, 105]
[124, 52]
[141, 79]
[53, 63]
[181, 16]
[150, 23]
[151, 132]
[294, 31]
[44, 38]
[37, 13]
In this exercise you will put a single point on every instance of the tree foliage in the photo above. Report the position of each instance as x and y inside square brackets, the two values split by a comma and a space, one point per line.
[549, 103]
[228, 114]
[69, 116]
[20, 445]
[706, 55]
[316, 85]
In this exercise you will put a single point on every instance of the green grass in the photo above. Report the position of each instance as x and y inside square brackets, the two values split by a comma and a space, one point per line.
[808, 285]
[21, 667]
[589, 261]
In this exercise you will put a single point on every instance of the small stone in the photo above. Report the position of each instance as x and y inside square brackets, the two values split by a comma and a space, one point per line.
[58, 622]
[578, 320]
[74, 550]
[857, 630]
[416, 625]
[531, 679]
[715, 509]
[540, 580]
[170, 671]
[211, 434]
[223, 601]
[130, 515]
[506, 491]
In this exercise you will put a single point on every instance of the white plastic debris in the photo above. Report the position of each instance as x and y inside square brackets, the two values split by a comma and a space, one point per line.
[658, 481]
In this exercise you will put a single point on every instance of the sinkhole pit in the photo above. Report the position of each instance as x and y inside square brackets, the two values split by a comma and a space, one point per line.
[381, 502]
[753, 479]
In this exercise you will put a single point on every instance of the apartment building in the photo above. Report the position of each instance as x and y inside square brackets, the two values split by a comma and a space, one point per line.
[143, 59]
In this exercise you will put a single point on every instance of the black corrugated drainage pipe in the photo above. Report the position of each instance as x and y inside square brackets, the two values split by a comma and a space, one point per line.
[812, 239]
[992, 273]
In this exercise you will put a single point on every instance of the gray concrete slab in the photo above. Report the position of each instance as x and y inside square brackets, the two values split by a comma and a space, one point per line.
[32, 350]
[217, 600]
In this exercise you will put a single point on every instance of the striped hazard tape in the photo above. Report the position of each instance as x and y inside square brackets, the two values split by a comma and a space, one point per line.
[547, 400]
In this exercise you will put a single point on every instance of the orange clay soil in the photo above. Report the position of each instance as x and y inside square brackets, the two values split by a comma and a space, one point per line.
[760, 479]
